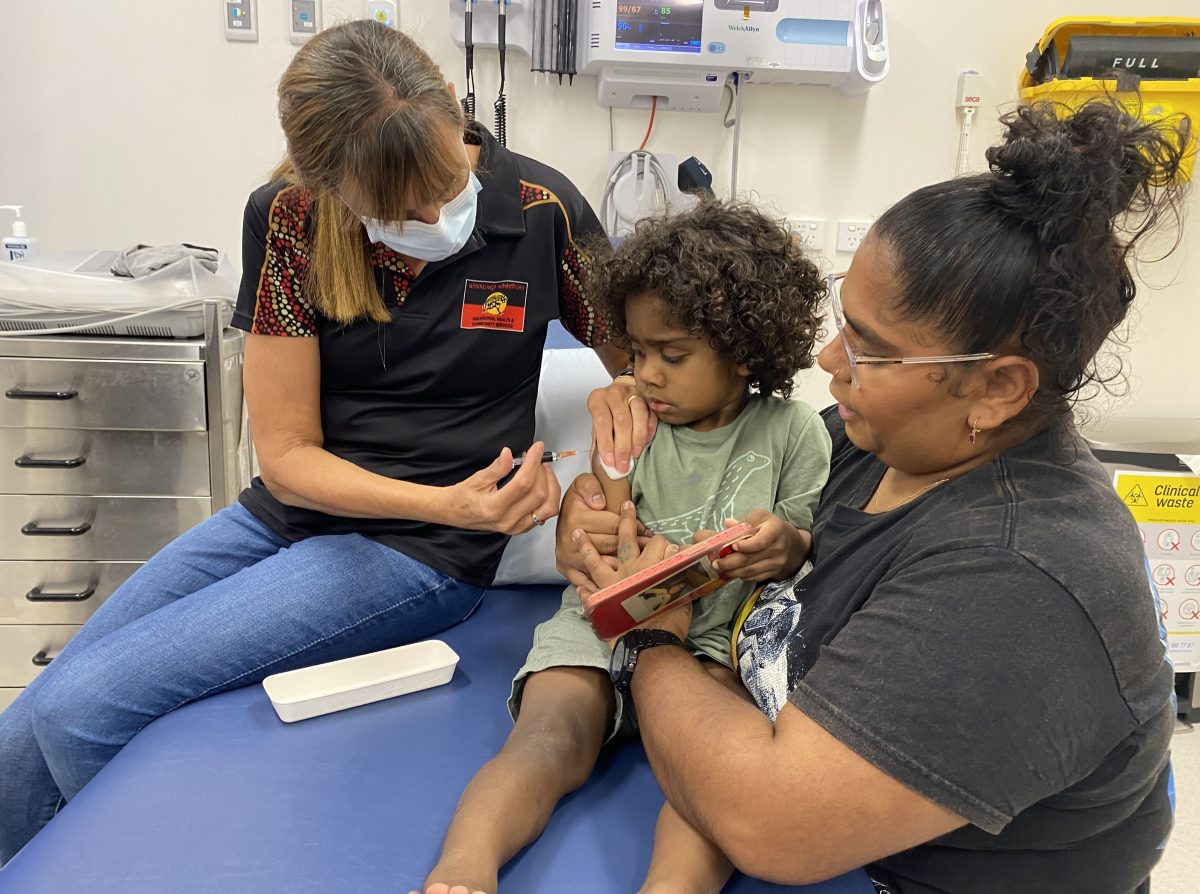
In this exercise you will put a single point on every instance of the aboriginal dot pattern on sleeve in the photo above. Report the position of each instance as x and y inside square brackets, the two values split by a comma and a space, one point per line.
[281, 308]
[531, 194]
[579, 314]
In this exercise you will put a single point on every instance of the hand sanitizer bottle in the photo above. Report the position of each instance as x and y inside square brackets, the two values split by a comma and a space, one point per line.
[20, 244]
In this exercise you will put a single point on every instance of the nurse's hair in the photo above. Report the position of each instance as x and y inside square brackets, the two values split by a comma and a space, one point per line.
[1033, 257]
[363, 104]
[726, 272]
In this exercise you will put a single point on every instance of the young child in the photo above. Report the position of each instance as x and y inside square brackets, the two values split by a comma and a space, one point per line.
[719, 309]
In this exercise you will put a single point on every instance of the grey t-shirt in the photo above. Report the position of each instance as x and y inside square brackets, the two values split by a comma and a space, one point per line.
[995, 646]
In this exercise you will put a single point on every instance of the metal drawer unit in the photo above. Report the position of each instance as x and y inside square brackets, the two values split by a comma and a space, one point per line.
[109, 449]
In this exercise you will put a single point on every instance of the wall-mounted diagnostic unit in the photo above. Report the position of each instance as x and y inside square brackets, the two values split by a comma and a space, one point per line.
[682, 51]
[304, 20]
[240, 18]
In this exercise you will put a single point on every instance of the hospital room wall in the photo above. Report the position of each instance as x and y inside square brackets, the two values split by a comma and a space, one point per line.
[135, 121]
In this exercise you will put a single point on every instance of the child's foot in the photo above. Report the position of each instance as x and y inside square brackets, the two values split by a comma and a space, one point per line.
[464, 877]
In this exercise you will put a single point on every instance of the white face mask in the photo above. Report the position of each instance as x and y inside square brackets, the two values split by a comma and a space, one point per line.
[431, 242]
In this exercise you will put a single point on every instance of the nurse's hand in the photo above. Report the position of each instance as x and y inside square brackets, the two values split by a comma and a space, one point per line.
[622, 424]
[584, 509]
[481, 503]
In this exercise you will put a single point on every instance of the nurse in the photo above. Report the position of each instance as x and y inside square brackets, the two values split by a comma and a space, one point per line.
[399, 273]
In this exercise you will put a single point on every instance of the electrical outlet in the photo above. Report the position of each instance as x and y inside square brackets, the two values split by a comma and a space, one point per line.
[851, 233]
[809, 232]
[241, 19]
[306, 20]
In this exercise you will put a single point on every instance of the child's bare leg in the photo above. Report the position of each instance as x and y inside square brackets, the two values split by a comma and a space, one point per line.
[684, 861]
[565, 713]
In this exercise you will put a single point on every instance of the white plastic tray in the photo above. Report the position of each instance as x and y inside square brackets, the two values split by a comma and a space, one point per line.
[350, 682]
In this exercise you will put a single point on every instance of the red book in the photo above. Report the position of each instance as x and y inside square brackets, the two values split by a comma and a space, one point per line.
[676, 580]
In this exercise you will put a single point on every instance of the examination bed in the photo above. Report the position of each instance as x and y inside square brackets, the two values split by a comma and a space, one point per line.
[221, 797]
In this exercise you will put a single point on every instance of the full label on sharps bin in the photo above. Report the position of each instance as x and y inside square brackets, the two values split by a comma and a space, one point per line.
[1167, 510]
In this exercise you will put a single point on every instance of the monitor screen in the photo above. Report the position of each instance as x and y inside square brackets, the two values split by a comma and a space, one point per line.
[671, 26]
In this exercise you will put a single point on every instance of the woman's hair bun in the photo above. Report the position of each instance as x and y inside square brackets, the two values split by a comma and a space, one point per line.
[1071, 173]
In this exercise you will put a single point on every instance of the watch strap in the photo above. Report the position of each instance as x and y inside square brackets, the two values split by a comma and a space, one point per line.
[634, 642]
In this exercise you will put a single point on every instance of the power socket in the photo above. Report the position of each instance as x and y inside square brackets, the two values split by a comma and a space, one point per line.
[305, 20]
[241, 19]
[809, 232]
[851, 234]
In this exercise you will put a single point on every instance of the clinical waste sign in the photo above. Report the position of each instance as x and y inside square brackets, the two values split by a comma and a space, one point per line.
[1166, 507]
[1161, 499]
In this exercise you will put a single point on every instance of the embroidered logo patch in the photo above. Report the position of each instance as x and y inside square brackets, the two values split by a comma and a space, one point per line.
[491, 304]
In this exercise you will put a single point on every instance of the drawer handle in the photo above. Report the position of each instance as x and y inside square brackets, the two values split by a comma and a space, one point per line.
[36, 595]
[22, 394]
[33, 529]
[28, 462]
[41, 659]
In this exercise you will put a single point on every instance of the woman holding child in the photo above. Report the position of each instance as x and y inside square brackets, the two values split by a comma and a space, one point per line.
[969, 691]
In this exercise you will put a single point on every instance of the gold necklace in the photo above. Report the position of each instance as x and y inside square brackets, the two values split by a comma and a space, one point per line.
[908, 499]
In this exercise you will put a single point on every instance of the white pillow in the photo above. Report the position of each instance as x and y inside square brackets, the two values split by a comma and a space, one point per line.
[563, 422]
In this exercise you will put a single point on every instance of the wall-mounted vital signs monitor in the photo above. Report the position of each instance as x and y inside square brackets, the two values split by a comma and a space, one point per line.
[683, 51]
[673, 26]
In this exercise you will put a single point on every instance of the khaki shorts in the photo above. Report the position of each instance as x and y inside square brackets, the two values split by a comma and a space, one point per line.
[567, 640]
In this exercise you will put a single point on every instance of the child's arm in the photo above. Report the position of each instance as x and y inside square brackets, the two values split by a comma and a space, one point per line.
[616, 490]
[773, 552]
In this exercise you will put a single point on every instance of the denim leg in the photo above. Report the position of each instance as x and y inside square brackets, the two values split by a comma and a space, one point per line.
[319, 600]
[215, 548]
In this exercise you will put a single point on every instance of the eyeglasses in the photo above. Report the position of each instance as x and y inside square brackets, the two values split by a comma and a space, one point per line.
[856, 360]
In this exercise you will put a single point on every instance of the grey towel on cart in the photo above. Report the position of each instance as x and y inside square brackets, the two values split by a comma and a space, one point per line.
[142, 260]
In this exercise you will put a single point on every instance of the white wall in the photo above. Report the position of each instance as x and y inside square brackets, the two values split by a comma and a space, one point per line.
[135, 121]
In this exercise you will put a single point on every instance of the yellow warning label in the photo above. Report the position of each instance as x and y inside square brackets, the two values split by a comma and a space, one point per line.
[1160, 499]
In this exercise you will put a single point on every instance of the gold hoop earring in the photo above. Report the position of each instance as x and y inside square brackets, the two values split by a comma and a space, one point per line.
[837, 372]
[974, 432]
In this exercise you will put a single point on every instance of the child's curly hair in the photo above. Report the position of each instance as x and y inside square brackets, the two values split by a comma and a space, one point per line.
[727, 272]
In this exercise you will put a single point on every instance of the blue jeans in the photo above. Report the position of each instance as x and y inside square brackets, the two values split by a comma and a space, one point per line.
[223, 606]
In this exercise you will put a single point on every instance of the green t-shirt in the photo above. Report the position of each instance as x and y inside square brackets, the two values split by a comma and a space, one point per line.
[774, 456]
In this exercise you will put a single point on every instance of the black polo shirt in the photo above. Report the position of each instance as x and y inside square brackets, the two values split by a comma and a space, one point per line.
[433, 395]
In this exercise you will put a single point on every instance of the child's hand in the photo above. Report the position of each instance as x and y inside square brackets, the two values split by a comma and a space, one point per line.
[632, 555]
[775, 551]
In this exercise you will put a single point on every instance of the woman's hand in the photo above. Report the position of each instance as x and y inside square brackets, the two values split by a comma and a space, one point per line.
[480, 503]
[631, 558]
[622, 424]
[584, 509]
[773, 552]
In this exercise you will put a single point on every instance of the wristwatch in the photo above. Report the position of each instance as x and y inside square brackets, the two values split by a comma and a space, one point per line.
[625, 653]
